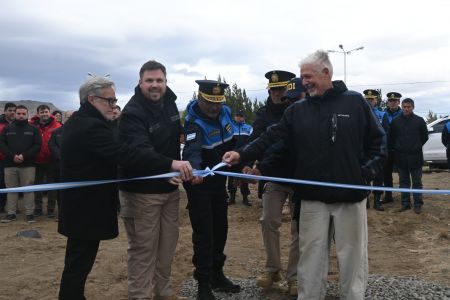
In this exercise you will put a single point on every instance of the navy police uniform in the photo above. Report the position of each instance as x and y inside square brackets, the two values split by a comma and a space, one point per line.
[206, 142]
[241, 132]
[383, 119]
[389, 163]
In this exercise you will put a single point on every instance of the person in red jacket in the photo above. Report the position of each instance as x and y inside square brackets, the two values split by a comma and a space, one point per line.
[46, 123]
[8, 116]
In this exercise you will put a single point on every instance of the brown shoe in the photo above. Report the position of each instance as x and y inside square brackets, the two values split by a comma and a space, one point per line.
[267, 279]
[292, 288]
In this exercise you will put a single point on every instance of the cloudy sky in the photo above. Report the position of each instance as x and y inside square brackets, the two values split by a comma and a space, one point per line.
[48, 47]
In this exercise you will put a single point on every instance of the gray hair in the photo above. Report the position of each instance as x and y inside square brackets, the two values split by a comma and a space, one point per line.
[320, 59]
[94, 86]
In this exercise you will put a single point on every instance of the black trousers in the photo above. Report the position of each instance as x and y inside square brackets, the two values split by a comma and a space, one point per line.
[232, 188]
[209, 220]
[378, 181]
[45, 173]
[388, 170]
[2, 185]
[80, 257]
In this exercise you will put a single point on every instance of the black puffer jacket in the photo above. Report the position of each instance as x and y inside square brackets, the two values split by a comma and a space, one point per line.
[332, 138]
[272, 163]
[157, 130]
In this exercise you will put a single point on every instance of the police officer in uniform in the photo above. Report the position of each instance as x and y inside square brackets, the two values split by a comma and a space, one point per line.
[372, 98]
[209, 134]
[393, 111]
[274, 195]
[242, 132]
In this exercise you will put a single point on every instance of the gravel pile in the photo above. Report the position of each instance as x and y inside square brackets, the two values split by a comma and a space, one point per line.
[379, 287]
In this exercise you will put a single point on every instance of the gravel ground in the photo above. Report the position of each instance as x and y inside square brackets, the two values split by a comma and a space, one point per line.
[379, 287]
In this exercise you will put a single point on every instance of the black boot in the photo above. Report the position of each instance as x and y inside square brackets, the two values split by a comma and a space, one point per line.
[388, 197]
[204, 291]
[377, 202]
[232, 199]
[220, 283]
[245, 200]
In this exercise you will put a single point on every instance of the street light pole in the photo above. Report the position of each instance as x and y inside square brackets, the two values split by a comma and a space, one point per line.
[345, 57]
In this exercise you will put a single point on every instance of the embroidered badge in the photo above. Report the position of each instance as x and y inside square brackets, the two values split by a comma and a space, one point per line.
[191, 136]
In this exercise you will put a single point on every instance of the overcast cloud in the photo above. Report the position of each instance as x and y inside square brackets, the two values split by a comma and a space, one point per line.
[48, 47]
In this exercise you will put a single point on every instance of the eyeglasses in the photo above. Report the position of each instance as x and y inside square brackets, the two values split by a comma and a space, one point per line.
[111, 101]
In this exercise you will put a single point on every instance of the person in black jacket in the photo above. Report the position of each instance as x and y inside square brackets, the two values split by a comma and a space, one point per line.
[392, 111]
[445, 138]
[5, 119]
[150, 208]
[274, 195]
[209, 134]
[372, 98]
[89, 151]
[54, 145]
[335, 138]
[408, 134]
[20, 142]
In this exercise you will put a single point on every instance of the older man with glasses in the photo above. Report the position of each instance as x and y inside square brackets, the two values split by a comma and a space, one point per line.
[90, 151]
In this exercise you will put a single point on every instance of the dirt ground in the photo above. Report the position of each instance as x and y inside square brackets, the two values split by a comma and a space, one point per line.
[403, 244]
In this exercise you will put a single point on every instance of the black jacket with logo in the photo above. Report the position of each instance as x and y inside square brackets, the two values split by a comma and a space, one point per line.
[332, 137]
[19, 137]
[157, 129]
[272, 163]
[408, 135]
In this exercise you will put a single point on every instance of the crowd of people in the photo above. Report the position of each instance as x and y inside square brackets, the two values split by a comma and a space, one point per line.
[310, 128]
[29, 155]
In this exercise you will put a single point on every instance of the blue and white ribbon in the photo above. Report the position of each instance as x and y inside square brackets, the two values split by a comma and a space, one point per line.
[211, 172]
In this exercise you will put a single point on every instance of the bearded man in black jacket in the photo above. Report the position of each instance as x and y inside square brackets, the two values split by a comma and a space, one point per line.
[150, 208]
[335, 138]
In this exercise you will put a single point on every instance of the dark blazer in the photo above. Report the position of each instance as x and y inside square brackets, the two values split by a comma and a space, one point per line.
[90, 151]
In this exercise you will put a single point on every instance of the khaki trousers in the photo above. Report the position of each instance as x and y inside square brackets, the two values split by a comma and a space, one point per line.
[152, 226]
[349, 222]
[16, 177]
[273, 198]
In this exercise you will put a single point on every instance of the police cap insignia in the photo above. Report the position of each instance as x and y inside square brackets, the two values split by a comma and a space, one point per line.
[212, 90]
[278, 78]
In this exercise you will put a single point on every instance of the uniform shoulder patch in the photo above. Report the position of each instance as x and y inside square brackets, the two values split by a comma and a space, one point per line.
[191, 136]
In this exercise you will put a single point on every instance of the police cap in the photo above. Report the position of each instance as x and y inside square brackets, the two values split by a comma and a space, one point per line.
[239, 113]
[394, 96]
[278, 78]
[294, 89]
[212, 90]
[371, 94]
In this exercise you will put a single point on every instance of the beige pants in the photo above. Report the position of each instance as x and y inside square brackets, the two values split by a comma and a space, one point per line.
[274, 197]
[152, 226]
[349, 222]
[16, 177]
